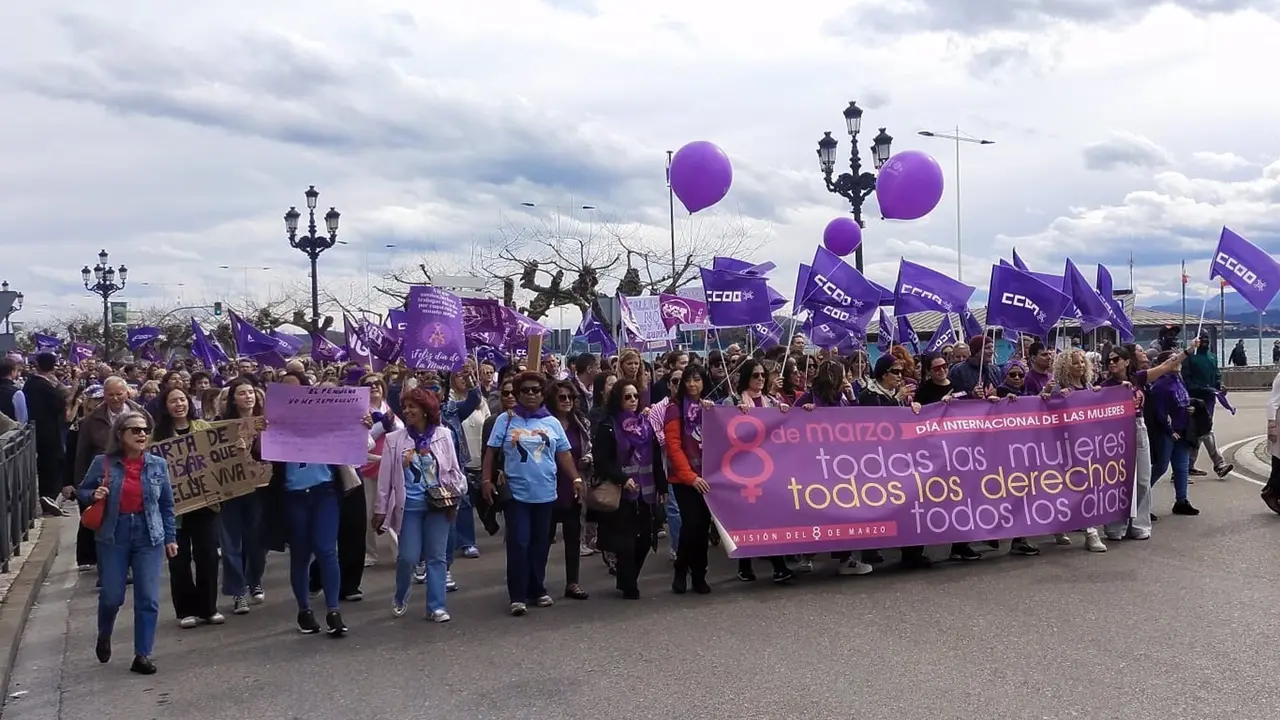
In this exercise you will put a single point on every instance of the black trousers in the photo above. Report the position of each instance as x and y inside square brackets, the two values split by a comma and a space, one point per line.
[86, 543]
[631, 540]
[50, 476]
[352, 523]
[193, 572]
[695, 532]
[570, 521]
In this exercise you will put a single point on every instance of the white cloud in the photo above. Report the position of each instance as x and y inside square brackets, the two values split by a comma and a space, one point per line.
[1224, 162]
[176, 137]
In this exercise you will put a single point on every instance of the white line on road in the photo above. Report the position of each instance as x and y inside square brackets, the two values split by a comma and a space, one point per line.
[1231, 446]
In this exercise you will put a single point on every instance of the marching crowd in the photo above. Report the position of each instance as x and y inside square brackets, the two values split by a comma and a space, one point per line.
[603, 453]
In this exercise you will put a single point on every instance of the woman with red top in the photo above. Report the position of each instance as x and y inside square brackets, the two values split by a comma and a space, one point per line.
[683, 431]
[138, 530]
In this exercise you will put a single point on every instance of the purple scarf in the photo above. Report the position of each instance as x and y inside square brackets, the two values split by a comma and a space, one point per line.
[691, 431]
[422, 440]
[1172, 384]
[635, 450]
[528, 414]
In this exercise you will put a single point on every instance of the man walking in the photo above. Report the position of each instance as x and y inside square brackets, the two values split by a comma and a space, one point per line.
[46, 404]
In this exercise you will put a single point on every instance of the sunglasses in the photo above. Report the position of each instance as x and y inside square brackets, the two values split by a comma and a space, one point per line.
[895, 371]
[530, 390]
[1113, 359]
[566, 398]
[936, 368]
[507, 393]
[136, 430]
[757, 376]
[1015, 375]
[630, 396]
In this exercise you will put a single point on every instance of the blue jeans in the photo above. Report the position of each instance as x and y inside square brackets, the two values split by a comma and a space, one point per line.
[673, 522]
[243, 556]
[312, 516]
[424, 534]
[528, 541]
[1175, 454]
[131, 549]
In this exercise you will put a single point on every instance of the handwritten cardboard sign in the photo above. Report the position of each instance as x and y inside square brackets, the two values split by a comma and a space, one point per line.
[206, 467]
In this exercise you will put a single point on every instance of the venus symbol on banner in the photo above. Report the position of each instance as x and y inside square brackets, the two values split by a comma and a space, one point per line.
[750, 446]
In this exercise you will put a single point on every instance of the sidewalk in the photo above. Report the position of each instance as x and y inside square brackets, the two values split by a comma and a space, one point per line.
[19, 588]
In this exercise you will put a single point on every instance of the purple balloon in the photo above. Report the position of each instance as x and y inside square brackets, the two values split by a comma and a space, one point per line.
[909, 186]
[700, 175]
[842, 236]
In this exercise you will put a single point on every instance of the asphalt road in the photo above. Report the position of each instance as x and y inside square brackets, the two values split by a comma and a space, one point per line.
[1181, 627]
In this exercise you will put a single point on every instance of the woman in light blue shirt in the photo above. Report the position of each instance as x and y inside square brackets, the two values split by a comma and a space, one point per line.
[534, 447]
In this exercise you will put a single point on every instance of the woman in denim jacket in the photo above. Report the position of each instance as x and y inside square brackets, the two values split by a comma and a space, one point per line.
[138, 530]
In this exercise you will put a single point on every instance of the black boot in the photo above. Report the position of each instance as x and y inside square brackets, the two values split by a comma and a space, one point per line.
[142, 665]
[103, 648]
[680, 584]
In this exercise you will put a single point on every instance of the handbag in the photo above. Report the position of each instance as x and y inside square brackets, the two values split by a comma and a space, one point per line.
[440, 497]
[603, 497]
[93, 515]
[348, 478]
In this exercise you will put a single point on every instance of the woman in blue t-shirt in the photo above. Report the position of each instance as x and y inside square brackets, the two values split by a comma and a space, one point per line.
[534, 447]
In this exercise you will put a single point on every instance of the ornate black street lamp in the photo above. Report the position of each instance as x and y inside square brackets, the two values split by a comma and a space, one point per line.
[10, 302]
[854, 186]
[312, 244]
[104, 286]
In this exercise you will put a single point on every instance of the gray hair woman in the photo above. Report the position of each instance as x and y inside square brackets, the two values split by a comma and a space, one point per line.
[138, 530]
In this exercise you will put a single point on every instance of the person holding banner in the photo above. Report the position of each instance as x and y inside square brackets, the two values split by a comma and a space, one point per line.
[534, 450]
[244, 554]
[628, 455]
[420, 489]
[1072, 371]
[194, 593]
[138, 530]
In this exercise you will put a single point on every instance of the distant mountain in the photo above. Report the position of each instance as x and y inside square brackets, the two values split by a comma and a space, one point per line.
[1235, 306]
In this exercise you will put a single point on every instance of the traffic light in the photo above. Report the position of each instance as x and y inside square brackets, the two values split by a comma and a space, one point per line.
[217, 309]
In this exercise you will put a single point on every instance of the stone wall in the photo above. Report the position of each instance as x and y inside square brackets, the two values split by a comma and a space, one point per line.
[1248, 378]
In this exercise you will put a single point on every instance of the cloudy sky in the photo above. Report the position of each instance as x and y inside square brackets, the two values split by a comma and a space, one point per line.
[176, 135]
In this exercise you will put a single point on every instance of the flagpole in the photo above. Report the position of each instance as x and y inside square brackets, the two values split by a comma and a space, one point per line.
[1222, 323]
[671, 206]
[1184, 304]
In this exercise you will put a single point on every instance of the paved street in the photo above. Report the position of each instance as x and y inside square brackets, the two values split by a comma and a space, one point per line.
[1181, 627]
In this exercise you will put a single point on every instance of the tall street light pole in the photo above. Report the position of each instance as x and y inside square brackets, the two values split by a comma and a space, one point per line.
[958, 137]
[10, 303]
[854, 186]
[313, 243]
[104, 286]
[671, 207]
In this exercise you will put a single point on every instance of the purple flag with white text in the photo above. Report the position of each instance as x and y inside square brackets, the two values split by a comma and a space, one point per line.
[81, 352]
[677, 310]
[482, 315]
[357, 351]
[518, 328]
[766, 335]
[136, 337]
[945, 335]
[434, 338]
[884, 335]
[250, 341]
[593, 331]
[324, 350]
[1018, 301]
[1090, 307]
[839, 292]
[907, 335]
[1247, 268]
[736, 300]
[46, 343]
[921, 289]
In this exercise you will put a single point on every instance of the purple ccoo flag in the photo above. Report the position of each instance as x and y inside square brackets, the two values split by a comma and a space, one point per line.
[46, 343]
[136, 337]
[736, 300]
[435, 338]
[357, 351]
[293, 343]
[324, 350]
[1247, 268]
[920, 289]
[592, 330]
[884, 336]
[677, 310]
[945, 335]
[907, 334]
[969, 324]
[1018, 301]
[766, 335]
[839, 293]
[80, 352]
[1092, 310]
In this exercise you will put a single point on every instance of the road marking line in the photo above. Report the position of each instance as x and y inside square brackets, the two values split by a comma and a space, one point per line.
[1231, 446]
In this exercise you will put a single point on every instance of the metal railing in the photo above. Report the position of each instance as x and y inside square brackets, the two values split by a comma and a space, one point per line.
[19, 497]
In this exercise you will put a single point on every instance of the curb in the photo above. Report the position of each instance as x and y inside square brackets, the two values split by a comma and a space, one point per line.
[1246, 458]
[22, 597]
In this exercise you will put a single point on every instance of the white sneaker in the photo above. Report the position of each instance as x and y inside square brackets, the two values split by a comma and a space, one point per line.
[439, 616]
[187, 623]
[450, 585]
[420, 573]
[1139, 534]
[1062, 538]
[518, 609]
[216, 618]
[805, 565]
[399, 610]
[1094, 543]
[855, 567]
[1115, 537]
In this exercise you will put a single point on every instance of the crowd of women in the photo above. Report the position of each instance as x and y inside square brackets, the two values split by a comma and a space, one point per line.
[518, 451]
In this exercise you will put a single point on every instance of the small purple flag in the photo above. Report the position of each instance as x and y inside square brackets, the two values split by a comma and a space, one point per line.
[150, 353]
[206, 348]
[250, 341]
[357, 351]
[81, 352]
[492, 355]
[434, 338]
[921, 289]
[1017, 262]
[741, 266]
[766, 335]
[943, 336]
[593, 331]
[839, 292]
[46, 343]
[1119, 320]
[736, 300]
[1247, 268]
[286, 340]
[907, 334]
[969, 323]
[482, 315]
[518, 328]
[1018, 301]
[884, 336]
[136, 337]
[677, 310]
[324, 350]
[802, 288]
[1092, 310]
[378, 340]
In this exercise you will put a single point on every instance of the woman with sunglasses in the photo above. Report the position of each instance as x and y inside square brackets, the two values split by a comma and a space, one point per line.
[1073, 372]
[1172, 410]
[562, 402]
[384, 423]
[749, 393]
[138, 530]
[193, 572]
[535, 449]
[630, 457]
[885, 389]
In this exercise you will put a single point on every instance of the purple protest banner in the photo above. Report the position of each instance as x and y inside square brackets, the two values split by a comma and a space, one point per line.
[482, 315]
[677, 310]
[858, 478]
[434, 338]
[316, 424]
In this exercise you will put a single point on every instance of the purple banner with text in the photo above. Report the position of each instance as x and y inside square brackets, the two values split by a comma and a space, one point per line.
[857, 478]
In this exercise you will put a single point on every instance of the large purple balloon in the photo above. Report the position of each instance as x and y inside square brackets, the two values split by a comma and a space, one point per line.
[909, 186]
[700, 175]
[842, 236]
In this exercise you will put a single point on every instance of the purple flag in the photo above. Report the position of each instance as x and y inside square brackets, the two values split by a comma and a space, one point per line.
[826, 334]
[677, 310]
[631, 331]
[492, 355]
[742, 266]
[884, 335]
[517, 328]
[357, 351]
[380, 343]
[1247, 268]
[286, 340]
[206, 347]
[496, 339]
[1017, 301]
[782, 497]
[593, 331]
[943, 336]
[1091, 309]
[250, 341]
[323, 350]
[969, 323]
[136, 337]
[921, 289]
[766, 335]
[150, 353]
[1119, 320]
[482, 315]
[81, 352]
[802, 287]
[46, 343]
[839, 292]
[434, 338]
[736, 300]
[1053, 281]
[907, 335]
[1017, 262]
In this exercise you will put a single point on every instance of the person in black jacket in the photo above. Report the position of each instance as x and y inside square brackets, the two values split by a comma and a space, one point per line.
[627, 454]
[47, 411]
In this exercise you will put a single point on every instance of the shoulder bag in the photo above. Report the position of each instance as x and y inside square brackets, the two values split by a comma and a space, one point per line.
[93, 515]
[603, 496]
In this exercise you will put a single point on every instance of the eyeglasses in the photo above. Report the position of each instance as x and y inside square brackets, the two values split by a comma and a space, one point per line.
[757, 376]
[507, 393]
[566, 398]
[1113, 359]
[895, 371]
[936, 368]
[1015, 375]
[530, 390]
[630, 396]
[136, 430]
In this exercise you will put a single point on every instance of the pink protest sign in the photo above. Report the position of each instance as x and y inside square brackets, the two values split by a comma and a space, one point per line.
[316, 424]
